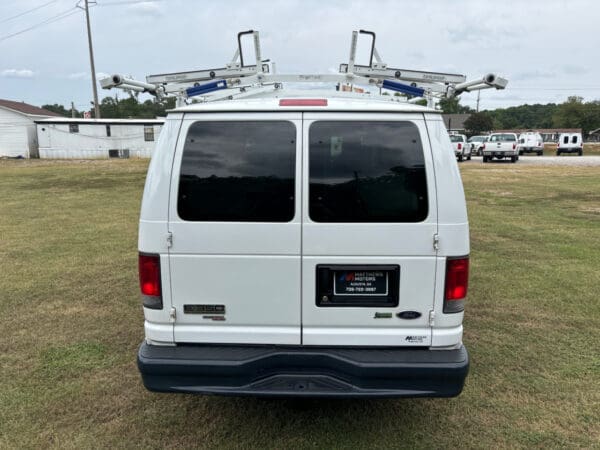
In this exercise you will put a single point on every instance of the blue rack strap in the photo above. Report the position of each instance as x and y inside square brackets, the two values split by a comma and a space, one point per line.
[404, 88]
[206, 88]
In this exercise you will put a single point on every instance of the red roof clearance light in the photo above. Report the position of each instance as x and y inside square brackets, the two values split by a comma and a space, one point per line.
[303, 102]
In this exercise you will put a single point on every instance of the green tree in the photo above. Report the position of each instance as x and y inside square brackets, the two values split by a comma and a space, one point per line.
[478, 123]
[452, 106]
[60, 109]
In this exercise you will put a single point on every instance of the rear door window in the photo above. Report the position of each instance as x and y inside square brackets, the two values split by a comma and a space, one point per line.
[366, 171]
[574, 141]
[238, 171]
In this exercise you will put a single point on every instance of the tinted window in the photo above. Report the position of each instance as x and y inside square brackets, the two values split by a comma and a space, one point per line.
[366, 172]
[238, 172]
[574, 140]
[566, 139]
[503, 138]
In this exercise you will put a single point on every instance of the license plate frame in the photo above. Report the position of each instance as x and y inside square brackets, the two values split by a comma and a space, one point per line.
[373, 285]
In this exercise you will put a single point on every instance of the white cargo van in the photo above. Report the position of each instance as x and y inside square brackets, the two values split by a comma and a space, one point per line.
[300, 246]
[531, 142]
[569, 143]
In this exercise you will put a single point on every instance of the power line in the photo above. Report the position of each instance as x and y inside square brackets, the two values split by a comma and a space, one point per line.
[50, 20]
[28, 11]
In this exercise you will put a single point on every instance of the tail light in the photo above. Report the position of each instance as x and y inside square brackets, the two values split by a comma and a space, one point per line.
[558, 145]
[457, 282]
[514, 146]
[149, 270]
[483, 146]
[459, 146]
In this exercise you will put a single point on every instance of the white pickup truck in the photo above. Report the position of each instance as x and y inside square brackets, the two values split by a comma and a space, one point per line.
[500, 146]
[461, 149]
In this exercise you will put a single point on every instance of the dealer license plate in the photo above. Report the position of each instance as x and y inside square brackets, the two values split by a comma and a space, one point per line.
[363, 283]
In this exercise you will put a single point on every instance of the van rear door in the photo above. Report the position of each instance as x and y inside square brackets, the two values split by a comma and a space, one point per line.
[369, 222]
[235, 220]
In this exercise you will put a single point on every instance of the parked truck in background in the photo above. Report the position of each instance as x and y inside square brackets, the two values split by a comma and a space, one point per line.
[477, 144]
[570, 143]
[500, 146]
[462, 150]
[531, 142]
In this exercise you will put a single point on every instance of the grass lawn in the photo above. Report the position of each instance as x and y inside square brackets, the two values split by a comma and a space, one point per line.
[72, 321]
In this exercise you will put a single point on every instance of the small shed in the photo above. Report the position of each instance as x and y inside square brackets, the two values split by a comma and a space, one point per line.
[65, 138]
[18, 137]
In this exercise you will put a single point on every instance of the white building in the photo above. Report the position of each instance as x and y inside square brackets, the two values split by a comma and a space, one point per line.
[18, 137]
[65, 138]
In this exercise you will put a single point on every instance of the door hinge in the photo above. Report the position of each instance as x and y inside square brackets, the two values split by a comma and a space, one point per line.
[431, 317]
[436, 242]
[169, 239]
[172, 314]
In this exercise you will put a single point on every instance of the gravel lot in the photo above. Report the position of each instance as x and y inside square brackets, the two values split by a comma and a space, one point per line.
[568, 160]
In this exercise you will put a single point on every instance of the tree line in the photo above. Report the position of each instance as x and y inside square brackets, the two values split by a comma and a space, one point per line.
[120, 108]
[574, 113]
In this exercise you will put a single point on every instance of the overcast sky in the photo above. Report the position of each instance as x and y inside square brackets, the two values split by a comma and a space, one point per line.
[547, 49]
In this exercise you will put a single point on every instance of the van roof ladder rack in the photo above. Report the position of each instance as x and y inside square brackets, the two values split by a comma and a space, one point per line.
[239, 79]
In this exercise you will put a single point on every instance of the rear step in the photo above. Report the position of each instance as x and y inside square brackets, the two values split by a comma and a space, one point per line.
[304, 371]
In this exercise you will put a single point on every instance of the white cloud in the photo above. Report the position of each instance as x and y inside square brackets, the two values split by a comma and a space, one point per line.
[78, 76]
[86, 76]
[17, 73]
[148, 8]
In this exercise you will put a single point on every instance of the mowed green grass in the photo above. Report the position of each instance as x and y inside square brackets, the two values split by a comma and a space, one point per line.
[71, 322]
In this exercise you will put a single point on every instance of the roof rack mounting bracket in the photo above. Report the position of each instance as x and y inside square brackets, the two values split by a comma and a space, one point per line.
[240, 79]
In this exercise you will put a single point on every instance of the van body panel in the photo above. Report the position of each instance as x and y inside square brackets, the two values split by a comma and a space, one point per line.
[153, 226]
[242, 309]
[451, 204]
[248, 272]
[446, 337]
[407, 245]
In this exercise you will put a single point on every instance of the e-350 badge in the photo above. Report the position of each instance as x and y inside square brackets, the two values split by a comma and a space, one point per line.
[209, 312]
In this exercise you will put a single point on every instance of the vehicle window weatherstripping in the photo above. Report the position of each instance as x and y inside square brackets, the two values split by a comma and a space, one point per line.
[366, 171]
[238, 171]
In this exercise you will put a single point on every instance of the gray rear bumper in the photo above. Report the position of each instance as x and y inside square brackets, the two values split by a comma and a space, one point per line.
[303, 371]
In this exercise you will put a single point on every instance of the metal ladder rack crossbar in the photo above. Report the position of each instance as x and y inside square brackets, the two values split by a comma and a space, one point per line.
[238, 80]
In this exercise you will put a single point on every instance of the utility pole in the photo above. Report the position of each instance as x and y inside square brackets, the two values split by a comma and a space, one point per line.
[72, 110]
[478, 93]
[89, 31]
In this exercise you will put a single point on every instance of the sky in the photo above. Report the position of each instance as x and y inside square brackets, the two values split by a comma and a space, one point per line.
[548, 50]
